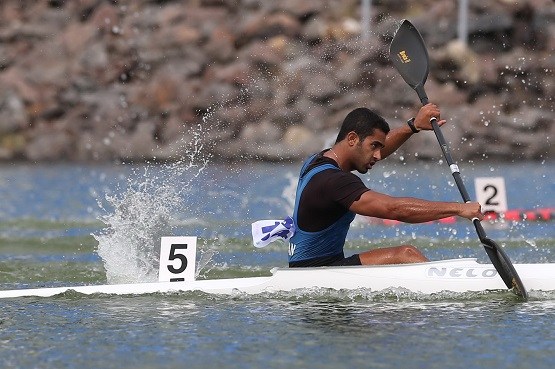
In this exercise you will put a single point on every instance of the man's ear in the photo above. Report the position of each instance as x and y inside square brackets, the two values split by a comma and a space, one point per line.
[352, 138]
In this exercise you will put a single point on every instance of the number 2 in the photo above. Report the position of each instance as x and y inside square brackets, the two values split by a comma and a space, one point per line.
[489, 200]
[490, 192]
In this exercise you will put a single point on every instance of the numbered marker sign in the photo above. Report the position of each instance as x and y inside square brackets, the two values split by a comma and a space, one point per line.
[491, 194]
[177, 259]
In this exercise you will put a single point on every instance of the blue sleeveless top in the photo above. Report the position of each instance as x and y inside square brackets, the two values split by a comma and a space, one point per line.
[327, 242]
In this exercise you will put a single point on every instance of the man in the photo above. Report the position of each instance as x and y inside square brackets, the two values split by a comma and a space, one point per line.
[329, 195]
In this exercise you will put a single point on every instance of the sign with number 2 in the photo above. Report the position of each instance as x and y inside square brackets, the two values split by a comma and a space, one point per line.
[491, 194]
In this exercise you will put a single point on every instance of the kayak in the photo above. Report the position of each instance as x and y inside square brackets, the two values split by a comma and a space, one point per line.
[455, 275]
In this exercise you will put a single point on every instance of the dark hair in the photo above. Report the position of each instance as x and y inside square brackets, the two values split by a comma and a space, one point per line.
[362, 121]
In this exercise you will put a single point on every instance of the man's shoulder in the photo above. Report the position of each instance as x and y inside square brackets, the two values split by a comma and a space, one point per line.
[330, 173]
[319, 162]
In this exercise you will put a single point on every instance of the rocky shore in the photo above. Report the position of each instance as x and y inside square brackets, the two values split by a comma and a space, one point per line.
[96, 80]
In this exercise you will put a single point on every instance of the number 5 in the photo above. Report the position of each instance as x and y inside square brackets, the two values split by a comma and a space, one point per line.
[177, 259]
[181, 257]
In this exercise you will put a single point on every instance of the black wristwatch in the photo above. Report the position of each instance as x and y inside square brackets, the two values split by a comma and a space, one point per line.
[413, 128]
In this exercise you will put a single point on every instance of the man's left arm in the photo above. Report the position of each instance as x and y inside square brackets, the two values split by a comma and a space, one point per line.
[396, 137]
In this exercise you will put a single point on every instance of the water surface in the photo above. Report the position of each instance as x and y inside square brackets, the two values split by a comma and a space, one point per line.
[57, 221]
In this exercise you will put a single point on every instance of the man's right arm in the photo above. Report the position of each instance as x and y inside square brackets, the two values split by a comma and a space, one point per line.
[412, 210]
[396, 137]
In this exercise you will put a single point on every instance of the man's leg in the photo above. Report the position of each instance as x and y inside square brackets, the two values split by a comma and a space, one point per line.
[392, 255]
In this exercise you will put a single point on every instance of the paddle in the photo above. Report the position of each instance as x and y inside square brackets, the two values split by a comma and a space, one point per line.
[410, 57]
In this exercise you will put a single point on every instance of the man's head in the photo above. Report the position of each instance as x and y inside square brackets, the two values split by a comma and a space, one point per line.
[363, 122]
[361, 137]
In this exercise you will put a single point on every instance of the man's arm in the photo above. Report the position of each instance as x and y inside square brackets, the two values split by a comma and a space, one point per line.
[396, 137]
[412, 210]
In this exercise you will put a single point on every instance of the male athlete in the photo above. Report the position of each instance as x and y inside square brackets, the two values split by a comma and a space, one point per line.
[329, 195]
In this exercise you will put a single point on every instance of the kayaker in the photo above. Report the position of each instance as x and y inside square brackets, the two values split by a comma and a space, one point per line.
[329, 194]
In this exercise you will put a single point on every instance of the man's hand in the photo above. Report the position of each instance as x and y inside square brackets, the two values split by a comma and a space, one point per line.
[471, 210]
[422, 119]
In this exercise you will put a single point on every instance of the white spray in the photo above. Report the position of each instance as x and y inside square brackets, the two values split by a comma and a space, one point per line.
[145, 211]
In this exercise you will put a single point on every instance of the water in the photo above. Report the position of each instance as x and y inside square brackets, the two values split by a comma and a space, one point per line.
[57, 221]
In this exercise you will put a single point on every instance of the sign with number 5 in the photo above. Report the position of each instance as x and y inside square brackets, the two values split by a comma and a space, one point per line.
[177, 259]
[490, 193]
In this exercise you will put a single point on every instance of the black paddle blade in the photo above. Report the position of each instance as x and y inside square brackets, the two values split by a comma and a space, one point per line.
[501, 262]
[409, 55]
[503, 265]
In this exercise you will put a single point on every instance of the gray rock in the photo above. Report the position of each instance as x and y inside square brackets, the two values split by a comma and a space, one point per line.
[48, 144]
[12, 112]
[94, 80]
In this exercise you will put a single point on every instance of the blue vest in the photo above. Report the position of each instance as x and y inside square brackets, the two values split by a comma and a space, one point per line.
[327, 242]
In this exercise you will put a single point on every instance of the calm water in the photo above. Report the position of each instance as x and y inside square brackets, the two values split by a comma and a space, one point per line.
[71, 225]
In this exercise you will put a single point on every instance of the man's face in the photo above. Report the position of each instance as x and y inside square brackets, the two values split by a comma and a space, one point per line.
[368, 151]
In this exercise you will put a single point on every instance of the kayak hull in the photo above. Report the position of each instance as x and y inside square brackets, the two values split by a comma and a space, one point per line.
[455, 275]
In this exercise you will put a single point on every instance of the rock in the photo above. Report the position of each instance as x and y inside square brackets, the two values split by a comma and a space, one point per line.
[13, 115]
[6, 57]
[220, 46]
[287, 116]
[94, 61]
[302, 10]
[238, 73]
[105, 18]
[107, 75]
[76, 36]
[160, 93]
[172, 130]
[528, 120]
[466, 60]
[349, 73]
[91, 148]
[265, 26]
[316, 30]
[299, 141]
[139, 146]
[446, 95]
[261, 133]
[12, 146]
[48, 144]
[320, 87]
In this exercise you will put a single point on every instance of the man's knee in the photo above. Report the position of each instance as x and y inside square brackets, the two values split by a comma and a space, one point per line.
[408, 250]
[409, 253]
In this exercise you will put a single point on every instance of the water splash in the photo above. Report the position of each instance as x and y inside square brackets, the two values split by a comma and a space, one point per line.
[144, 211]
[288, 193]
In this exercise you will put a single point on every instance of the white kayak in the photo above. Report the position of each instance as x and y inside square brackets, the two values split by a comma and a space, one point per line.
[456, 275]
